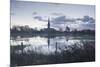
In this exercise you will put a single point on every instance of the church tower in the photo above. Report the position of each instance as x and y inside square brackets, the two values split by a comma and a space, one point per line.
[48, 24]
[48, 29]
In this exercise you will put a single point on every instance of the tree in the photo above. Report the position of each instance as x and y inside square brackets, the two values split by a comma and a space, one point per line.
[67, 29]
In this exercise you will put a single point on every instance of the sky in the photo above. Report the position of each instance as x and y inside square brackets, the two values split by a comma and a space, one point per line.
[36, 14]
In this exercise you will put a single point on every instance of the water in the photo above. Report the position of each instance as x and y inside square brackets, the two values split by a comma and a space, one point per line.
[48, 45]
[36, 50]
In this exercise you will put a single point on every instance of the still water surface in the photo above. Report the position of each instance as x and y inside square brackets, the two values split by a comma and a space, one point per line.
[48, 45]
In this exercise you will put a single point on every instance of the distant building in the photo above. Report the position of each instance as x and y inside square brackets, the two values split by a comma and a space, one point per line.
[48, 30]
[48, 24]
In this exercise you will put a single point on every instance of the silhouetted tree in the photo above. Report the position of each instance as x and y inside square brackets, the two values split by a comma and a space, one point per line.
[67, 29]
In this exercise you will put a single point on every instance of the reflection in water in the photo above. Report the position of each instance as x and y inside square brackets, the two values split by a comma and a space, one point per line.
[48, 45]
[50, 50]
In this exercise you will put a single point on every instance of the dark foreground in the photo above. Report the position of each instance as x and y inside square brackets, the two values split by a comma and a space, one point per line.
[73, 53]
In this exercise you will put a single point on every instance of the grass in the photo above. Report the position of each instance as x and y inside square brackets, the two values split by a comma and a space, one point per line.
[84, 53]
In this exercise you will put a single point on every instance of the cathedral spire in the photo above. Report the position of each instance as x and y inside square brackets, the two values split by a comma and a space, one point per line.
[48, 23]
[48, 29]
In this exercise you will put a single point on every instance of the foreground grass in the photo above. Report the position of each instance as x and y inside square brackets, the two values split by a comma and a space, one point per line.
[84, 53]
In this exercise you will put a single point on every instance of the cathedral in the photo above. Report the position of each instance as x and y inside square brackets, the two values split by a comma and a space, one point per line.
[48, 24]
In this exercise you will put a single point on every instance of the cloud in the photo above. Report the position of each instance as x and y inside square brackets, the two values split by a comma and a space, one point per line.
[87, 19]
[87, 26]
[62, 20]
[79, 23]
[59, 20]
[40, 18]
[34, 13]
[56, 14]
